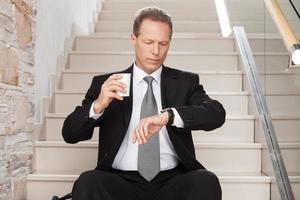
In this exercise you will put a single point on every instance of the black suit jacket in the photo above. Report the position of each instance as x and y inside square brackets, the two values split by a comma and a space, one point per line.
[180, 90]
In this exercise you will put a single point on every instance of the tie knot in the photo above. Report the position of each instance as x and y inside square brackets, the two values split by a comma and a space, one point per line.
[149, 79]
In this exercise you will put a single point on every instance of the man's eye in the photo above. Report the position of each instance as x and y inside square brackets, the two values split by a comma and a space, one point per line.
[148, 42]
[164, 44]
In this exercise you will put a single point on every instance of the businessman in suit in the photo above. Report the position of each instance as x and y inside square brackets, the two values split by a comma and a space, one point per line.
[146, 149]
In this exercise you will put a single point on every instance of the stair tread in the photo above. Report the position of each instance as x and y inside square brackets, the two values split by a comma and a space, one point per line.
[63, 91]
[188, 35]
[94, 144]
[236, 117]
[179, 53]
[223, 176]
[71, 71]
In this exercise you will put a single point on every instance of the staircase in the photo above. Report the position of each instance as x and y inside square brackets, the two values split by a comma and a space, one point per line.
[235, 152]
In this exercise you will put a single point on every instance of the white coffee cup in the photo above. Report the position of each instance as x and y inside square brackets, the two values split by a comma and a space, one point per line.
[126, 77]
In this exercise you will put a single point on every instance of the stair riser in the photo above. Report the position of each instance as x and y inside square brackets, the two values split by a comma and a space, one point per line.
[280, 126]
[268, 63]
[231, 82]
[279, 105]
[115, 62]
[209, 15]
[237, 191]
[223, 134]
[180, 44]
[277, 83]
[176, 16]
[45, 189]
[119, 6]
[291, 160]
[178, 27]
[220, 159]
[234, 105]
[285, 105]
[275, 192]
[38, 190]
[196, 7]
[197, 27]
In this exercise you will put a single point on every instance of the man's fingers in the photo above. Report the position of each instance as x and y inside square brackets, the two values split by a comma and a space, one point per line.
[133, 138]
[115, 96]
[116, 88]
[136, 132]
[146, 129]
[115, 82]
[142, 131]
[114, 77]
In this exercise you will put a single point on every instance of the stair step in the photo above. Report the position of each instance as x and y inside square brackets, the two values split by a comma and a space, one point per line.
[283, 104]
[194, 6]
[245, 125]
[290, 153]
[206, 15]
[295, 184]
[227, 81]
[190, 61]
[198, 43]
[196, 26]
[277, 82]
[234, 187]
[222, 157]
[235, 103]
[280, 124]
[134, 6]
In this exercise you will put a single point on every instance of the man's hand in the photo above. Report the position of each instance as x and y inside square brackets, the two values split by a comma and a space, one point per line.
[108, 92]
[149, 126]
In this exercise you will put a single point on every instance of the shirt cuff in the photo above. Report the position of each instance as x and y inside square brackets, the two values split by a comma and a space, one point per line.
[178, 122]
[92, 114]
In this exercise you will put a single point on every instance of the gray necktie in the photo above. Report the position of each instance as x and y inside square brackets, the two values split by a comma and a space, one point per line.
[149, 155]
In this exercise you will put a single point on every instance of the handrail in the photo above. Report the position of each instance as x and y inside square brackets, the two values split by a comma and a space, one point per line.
[290, 40]
[280, 172]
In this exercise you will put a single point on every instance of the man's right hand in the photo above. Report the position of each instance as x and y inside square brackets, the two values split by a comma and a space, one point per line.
[108, 92]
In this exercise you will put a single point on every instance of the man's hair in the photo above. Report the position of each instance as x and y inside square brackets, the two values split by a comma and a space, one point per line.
[153, 13]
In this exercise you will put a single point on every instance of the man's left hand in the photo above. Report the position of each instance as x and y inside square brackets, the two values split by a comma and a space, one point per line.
[149, 126]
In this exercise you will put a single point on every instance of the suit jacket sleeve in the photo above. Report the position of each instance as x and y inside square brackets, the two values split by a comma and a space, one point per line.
[78, 126]
[202, 112]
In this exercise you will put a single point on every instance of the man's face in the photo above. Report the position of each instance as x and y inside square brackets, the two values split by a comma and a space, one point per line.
[152, 45]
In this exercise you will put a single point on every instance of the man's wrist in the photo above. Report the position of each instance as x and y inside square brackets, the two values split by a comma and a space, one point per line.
[97, 108]
[170, 114]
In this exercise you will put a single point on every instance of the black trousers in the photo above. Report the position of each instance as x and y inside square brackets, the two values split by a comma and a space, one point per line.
[173, 184]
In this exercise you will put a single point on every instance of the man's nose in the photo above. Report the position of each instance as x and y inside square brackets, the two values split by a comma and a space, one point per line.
[155, 49]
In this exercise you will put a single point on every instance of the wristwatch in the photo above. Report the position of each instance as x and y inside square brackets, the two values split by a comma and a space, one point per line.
[171, 115]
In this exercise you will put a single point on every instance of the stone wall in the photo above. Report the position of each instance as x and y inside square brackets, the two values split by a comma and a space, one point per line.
[17, 87]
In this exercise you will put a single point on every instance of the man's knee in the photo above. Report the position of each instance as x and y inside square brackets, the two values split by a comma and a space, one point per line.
[90, 179]
[208, 180]
[207, 176]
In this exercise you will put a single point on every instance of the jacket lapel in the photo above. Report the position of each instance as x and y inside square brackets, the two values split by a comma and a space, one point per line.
[126, 105]
[169, 85]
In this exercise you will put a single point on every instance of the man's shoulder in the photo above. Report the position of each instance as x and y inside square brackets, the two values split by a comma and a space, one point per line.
[180, 73]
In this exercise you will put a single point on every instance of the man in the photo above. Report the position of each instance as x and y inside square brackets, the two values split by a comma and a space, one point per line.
[146, 156]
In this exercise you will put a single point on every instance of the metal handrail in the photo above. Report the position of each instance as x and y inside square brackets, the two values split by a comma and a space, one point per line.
[280, 172]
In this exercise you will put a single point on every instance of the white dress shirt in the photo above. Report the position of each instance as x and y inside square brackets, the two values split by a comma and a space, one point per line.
[127, 156]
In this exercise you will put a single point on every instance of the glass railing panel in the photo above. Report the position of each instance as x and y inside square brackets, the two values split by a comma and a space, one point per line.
[280, 86]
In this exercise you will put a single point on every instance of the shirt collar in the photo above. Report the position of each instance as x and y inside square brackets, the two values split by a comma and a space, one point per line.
[139, 74]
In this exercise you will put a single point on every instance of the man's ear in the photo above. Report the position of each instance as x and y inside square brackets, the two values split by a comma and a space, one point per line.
[132, 39]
